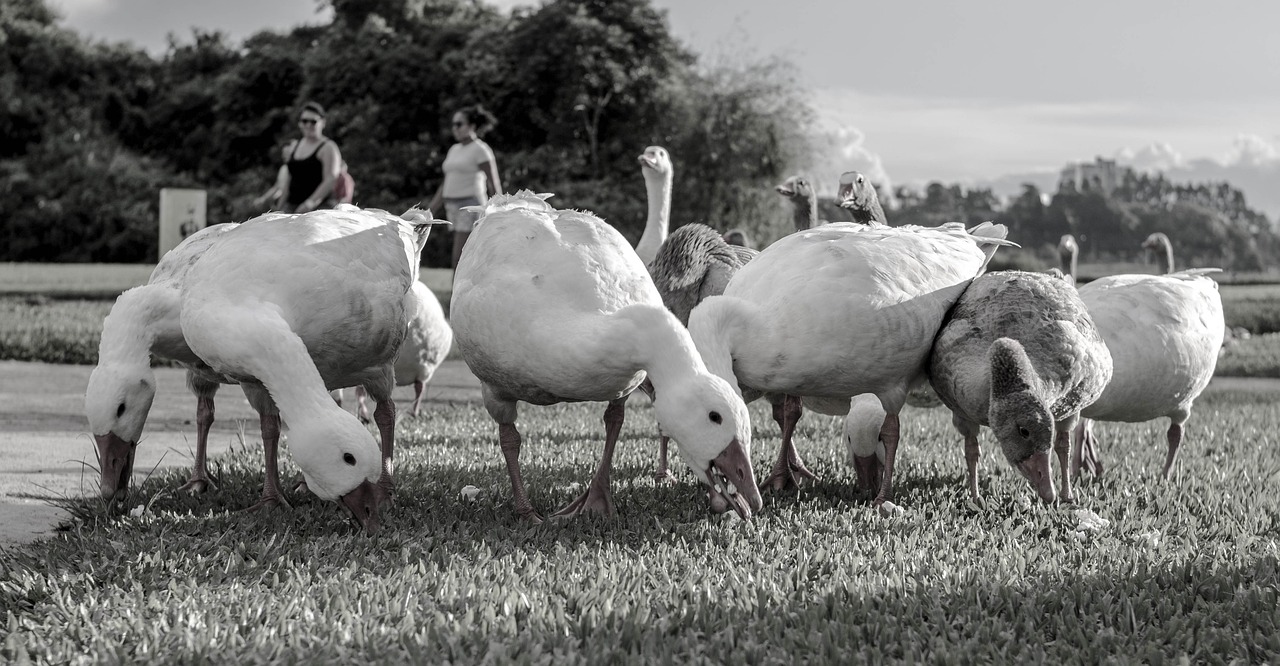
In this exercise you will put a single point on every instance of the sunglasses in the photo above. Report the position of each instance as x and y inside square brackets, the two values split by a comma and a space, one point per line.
[307, 121]
[458, 124]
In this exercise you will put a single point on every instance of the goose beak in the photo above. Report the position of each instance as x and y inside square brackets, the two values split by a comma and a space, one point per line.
[732, 482]
[784, 191]
[846, 196]
[364, 502]
[1036, 469]
[115, 463]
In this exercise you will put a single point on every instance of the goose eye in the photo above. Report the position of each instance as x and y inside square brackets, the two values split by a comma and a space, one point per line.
[349, 459]
[1024, 432]
[120, 410]
[715, 417]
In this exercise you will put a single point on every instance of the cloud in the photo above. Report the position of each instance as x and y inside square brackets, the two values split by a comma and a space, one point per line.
[922, 138]
[79, 9]
[842, 147]
[1251, 150]
[1159, 156]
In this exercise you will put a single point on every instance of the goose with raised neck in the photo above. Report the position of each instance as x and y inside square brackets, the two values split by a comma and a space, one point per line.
[658, 172]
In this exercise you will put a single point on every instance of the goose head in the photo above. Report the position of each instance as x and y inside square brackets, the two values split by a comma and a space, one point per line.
[738, 237]
[341, 461]
[655, 162]
[116, 403]
[1020, 419]
[796, 188]
[710, 424]
[858, 195]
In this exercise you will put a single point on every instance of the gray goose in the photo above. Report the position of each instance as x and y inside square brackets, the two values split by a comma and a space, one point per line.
[1020, 354]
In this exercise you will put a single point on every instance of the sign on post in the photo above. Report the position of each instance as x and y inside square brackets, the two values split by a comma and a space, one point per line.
[182, 213]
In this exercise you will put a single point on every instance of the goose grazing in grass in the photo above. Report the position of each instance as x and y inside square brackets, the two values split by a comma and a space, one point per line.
[302, 304]
[798, 191]
[836, 311]
[144, 323]
[1164, 333]
[858, 196]
[655, 166]
[554, 306]
[426, 344]
[695, 262]
[1021, 354]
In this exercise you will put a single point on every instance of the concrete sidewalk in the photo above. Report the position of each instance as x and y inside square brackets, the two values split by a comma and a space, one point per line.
[46, 449]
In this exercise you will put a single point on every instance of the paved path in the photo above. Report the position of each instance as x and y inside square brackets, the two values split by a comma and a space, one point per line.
[45, 443]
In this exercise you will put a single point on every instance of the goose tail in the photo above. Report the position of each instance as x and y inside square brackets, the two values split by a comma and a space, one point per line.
[991, 237]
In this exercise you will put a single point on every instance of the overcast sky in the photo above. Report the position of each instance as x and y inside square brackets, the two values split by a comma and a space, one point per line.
[951, 91]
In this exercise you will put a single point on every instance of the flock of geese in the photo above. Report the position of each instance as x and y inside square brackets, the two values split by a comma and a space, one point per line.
[849, 319]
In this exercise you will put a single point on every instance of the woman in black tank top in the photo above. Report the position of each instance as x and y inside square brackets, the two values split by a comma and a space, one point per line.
[313, 163]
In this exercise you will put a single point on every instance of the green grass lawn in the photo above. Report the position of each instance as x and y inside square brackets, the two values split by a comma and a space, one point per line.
[1185, 570]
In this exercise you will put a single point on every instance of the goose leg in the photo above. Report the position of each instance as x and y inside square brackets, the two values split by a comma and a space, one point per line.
[1084, 454]
[788, 465]
[200, 480]
[384, 414]
[1062, 446]
[419, 387]
[971, 454]
[272, 494]
[889, 434]
[597, 498]
[663, 473]
[269, 419]
[1175, 439]
[509, 440]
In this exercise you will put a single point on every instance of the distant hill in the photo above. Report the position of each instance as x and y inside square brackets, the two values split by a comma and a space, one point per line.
[1253, 167]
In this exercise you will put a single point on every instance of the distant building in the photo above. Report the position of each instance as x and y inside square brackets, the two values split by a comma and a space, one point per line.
[1101, 175]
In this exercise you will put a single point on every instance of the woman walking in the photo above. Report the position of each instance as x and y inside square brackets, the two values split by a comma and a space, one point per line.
[470, 174]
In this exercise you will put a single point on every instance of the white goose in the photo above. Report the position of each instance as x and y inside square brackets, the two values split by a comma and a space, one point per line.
[302, 304]
[656, 167]
[425, 346]
[554, 306]
[1020, 354]
[836, 311]
[144, 322]
[1164, 333]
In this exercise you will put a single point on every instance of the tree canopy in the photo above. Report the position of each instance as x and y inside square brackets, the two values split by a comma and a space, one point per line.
[580, 87]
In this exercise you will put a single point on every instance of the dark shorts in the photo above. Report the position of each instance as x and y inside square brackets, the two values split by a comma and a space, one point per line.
[462, 220]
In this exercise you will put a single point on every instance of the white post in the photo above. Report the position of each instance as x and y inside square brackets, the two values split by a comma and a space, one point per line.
[182, 213]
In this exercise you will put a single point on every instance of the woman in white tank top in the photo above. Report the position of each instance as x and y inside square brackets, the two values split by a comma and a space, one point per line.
[470, 174]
